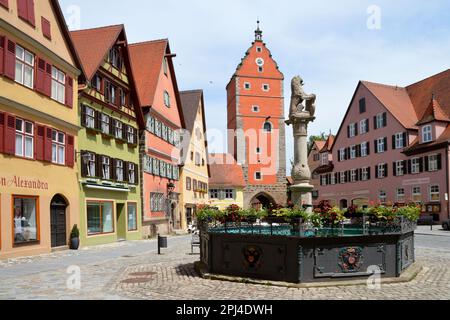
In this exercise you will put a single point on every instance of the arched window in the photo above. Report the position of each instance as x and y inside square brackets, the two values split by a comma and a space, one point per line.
[267, 127]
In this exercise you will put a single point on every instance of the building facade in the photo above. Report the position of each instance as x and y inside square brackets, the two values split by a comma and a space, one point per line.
[39, 68]
[314, 162]
[159, 100]
[110, 206]
[226, 184]
[256, 125]
[195, 171]
[393, 147]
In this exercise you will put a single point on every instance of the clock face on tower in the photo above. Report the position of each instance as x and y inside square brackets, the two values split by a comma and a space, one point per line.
[260, 62]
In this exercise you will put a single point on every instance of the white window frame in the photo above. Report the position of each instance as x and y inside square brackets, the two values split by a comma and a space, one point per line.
[382, 196]
[352, 130]
[247, 86]
[58, 85]
[363, 126]
[24, 136]
[342, 154]
[24, 64]
[353, 175]
[91, 166]
[381, 171]
[400, 197]
[380, 142]
[342, 177]
[427, 134]
[261, 176]
[264, 85]
[415, 167]
[166, 99]
[433, 163]
[120, 170]
[228, 194]
[438, 193]
[399, 165]
[323, 178]
[90, 117]
[415, 193]
[380, 120]
[333, 179]
[130, 134]
[365, 174]
[58, 147]
[106, 168]
[105, 121]
[364, 149]
[256, 109]
[118, 130]
[131, 175]
[324, 159]
[399, 143]
[353, 152]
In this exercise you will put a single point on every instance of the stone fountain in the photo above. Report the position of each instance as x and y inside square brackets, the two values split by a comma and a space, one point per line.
[302, 111]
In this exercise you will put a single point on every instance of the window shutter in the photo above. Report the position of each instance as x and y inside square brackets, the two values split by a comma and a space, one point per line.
[112, 126]
[4, 3]
[30, 12]
[348, 131]
[135, 139]
[358, 151]
[48, 80]
[367, 125]
[376, 172]
[376, 146]
[347, 153]
[368, 148]
[421, 160]
[125, 171]
[69, 92]
[2, 53]
[48, 145]
[394, 167]
[83, 115]
[10, 133]
[405, 139]
[98, 166]
[39, 143]
[70, 151]
[113, 164]
[124, 131]
[10, 59]
[2, 130]
[393, 142]
[136, 174]
[369, 173]
[84, 166]
[22, 9]
[98, 118]
[386, 147]
[385, 119]
[40, 76]
[386, 170]
[439, 161]
[375, 123]
[357, 175]
[409, 166]
[356, 129]
[426, 162]
[46, 29]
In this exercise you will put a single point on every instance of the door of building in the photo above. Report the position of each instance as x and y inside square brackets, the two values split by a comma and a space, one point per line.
[58, 222]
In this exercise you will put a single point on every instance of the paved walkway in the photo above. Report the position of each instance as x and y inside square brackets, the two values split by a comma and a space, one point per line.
[437, 231]
[133, 270]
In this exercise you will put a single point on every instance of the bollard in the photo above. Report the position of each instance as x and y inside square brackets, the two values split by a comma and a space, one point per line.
[162, 243]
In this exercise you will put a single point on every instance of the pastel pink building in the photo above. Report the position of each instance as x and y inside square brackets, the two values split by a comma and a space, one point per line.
[392, 147]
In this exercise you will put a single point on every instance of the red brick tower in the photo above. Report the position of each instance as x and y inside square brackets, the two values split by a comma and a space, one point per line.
[256, 125]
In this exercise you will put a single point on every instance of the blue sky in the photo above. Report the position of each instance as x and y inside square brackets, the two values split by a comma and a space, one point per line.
[328, 43]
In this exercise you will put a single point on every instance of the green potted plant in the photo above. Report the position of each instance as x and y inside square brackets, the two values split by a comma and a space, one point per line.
[75, 238]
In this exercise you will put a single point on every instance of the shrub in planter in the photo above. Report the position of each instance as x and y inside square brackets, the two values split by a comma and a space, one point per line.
[75, 238]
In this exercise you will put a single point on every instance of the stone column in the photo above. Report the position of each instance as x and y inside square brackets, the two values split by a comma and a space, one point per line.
[301, 173]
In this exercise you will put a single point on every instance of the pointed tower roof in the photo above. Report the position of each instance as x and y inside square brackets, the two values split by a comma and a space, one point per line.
[328, 146]
[258, 33]
[434, 112]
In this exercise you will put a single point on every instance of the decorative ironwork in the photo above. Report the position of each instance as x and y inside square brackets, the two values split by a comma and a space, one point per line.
[252, 257]
[351, 259]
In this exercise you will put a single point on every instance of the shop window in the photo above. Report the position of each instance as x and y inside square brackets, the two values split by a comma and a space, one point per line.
[435, 194]
[100, 218]
[132, 216]
[25, 219]
[157, 202]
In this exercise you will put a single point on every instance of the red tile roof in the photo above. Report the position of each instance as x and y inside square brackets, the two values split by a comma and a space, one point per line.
[93, 44]
[319, 144]
[146, 62]
[434, 112]
[396, 100]
[225, 171]
[328, 145]
[422, 91]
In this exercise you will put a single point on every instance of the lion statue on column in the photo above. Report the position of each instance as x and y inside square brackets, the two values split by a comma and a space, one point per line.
[298, 109]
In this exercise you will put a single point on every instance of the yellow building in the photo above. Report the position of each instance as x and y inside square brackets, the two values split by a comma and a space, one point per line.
[39, 68]
[195, 171]
[226, 185]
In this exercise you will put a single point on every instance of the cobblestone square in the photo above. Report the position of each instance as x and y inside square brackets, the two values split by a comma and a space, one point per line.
[134, 270]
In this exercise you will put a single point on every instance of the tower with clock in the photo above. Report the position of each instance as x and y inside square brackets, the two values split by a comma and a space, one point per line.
[256, 127]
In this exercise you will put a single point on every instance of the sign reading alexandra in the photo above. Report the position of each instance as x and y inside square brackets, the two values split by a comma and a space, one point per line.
[24, 183]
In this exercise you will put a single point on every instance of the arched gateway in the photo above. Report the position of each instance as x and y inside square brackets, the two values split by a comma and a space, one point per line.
[262, 201]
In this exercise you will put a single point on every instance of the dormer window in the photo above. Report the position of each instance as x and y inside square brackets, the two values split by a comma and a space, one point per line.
[427, 135]
[166, 99]
[115, 59]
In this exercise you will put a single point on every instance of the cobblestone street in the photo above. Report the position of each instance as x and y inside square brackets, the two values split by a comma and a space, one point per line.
[133, 270]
